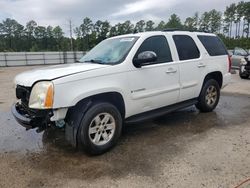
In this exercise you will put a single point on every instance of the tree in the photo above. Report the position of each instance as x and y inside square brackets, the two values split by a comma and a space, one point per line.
[40, 32]
[174, 22]
[215, 21]
[57, 32]
[226, 24]
[30, 32]
[40, 36]
[86, 27]
[149, 25]
[50, 40]
[240, 13]
[12, 31]
[230, 16]
[120, 29]
[128, 27]
[101, 30]
[140, 26]
[113, 31]
[58, 36]
[49, 32]
[247, 18]
[205, 21]
[161, 26]
[30, 28]
[189, 23]
[83, 32]
[196, 21]
[192, 23]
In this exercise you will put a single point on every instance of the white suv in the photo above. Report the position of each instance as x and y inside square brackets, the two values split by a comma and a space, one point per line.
[124, 79]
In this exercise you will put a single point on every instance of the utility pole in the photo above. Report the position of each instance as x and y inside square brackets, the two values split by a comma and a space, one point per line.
[70, 31]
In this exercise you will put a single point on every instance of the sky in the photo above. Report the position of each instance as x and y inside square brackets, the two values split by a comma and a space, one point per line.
[58, 12]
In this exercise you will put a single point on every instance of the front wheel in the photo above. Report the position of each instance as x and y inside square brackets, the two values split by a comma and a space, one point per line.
[209, 96]
[100, 128]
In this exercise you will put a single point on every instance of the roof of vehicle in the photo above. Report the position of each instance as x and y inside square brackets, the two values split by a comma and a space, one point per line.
[150, 33]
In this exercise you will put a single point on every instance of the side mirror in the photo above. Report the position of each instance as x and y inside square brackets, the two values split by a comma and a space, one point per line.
[145, 58]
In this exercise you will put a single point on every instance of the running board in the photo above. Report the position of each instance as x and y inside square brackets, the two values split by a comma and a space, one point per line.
[159, 112]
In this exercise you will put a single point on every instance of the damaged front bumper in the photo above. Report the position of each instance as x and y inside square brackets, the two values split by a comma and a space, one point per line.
[30, 118]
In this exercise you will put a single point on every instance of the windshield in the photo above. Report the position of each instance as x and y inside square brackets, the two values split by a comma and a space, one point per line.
[110, 51]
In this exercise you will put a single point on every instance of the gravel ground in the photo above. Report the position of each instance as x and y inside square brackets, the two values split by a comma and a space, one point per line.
[181, 149]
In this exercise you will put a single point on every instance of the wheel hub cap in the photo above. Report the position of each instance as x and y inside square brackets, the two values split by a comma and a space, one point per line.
[102, 128]
[211, 95]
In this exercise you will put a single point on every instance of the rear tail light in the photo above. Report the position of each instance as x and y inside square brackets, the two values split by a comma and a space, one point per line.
[229, 63]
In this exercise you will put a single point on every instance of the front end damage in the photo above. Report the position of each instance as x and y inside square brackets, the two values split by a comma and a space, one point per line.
[27, 117]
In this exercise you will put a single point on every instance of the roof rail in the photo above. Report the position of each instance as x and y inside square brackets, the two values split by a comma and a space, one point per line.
[173, 29]
[189, 30]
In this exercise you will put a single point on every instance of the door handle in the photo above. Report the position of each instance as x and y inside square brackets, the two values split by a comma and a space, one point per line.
[171, 70]
[201, 65]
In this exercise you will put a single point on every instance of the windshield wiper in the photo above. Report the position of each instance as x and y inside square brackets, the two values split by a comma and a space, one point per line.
[95, 61]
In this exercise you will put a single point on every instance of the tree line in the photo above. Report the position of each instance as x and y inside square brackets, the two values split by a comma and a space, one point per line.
[233, 26]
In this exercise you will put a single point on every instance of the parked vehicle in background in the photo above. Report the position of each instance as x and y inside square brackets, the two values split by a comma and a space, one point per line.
[237, 56]
[241, 60]
[124, 79]
[244, 70]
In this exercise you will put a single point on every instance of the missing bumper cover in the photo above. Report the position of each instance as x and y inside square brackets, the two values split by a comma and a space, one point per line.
[31, 119]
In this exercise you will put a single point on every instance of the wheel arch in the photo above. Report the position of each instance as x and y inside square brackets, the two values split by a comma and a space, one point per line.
[73, 119]
[216, 75]
[114, 98]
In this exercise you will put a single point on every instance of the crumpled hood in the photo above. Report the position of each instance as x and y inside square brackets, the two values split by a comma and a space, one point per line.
[52, 72]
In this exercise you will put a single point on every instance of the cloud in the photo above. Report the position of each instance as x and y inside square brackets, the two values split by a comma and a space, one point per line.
[144, 5]
[57, 12]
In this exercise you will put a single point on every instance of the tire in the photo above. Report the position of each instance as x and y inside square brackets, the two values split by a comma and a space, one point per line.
[209, 96]
[94, 135]
[243, 75]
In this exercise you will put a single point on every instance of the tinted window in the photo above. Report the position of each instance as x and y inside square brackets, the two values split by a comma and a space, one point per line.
[213, 45]
[159, 45]
[186, 47]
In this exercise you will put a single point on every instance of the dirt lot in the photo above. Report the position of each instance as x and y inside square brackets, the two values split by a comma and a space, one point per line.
[182, 149]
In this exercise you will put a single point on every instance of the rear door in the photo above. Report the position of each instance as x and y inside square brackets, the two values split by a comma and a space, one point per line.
[192, 67]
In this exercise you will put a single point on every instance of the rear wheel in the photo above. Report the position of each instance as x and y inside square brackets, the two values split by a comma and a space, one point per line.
[100, 128]
[209, 96]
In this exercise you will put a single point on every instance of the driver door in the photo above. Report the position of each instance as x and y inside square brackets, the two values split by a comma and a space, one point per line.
[156, 84]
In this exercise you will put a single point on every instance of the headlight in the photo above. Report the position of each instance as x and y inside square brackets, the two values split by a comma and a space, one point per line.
[42, 95]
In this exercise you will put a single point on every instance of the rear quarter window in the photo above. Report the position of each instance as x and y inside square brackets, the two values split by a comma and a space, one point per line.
[213, 45]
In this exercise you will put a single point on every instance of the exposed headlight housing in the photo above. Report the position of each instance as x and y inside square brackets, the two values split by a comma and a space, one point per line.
[42, 95]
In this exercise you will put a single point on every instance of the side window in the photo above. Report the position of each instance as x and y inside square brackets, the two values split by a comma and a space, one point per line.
[213, 45]
[159, 45]
[186, 47]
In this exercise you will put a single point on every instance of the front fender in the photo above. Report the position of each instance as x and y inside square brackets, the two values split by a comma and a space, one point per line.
[70, 93]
